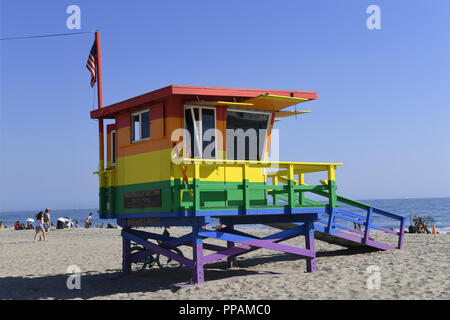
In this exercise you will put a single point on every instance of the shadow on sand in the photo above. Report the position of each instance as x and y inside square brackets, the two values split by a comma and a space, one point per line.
[99, 285]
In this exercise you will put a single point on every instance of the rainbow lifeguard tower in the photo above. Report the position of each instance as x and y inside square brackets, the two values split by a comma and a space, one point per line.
[174, 158]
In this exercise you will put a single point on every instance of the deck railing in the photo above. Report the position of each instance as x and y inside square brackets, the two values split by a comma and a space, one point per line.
[293, 190]
[288, 186]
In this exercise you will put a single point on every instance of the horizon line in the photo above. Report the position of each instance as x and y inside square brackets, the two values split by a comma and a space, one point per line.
[406, 198]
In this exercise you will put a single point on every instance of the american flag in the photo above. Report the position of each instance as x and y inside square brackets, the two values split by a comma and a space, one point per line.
[92, 63]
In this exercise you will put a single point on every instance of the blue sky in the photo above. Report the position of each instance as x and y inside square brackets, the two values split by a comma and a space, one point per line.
[383, 106]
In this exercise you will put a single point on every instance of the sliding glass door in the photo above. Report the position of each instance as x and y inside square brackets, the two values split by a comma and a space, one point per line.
[200, 123]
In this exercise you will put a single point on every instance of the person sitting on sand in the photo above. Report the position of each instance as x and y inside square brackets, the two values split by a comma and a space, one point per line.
[39, 226]
[88, 221]
[77, 223]
[1, 225]
[421, 227]
[29, 226]
[19, 226]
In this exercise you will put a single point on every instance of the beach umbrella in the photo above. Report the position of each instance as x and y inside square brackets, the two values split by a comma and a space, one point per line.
[30, 220]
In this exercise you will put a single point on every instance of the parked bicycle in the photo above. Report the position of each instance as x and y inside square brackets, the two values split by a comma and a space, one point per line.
[156, 258]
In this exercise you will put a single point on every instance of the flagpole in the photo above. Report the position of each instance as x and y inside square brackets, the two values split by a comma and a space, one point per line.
[100, 103]
[99, 70]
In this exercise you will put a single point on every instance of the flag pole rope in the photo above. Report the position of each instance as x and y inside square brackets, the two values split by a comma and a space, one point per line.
[47, 35]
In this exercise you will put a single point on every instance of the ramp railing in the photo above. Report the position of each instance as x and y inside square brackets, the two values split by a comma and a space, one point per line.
[362, 224]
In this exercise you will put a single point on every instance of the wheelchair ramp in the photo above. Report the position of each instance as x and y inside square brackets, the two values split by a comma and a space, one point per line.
[322, 236]
[335, 229]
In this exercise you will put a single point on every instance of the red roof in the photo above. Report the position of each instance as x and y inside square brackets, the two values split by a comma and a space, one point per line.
[197, 91]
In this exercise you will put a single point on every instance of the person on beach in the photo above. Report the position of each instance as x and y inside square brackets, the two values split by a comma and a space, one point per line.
[19, 226]
[47, 220]
[77, 223]
[39, 226]
[88, 221]
[422, 227]
[357, 226]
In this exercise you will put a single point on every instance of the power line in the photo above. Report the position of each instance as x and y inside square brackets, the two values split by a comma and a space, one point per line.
[47, 35]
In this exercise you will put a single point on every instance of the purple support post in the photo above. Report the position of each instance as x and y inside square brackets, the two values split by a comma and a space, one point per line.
[197, 246]
[367, 230]
[231, 260]
[311, 246]
[401, 234]
[126, 254]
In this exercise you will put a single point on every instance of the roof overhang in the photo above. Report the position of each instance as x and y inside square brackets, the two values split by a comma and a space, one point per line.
[262, 99]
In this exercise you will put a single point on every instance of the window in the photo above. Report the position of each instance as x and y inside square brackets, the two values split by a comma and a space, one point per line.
[140, 126]
[200, 122]
[246, 134]
[113, 148]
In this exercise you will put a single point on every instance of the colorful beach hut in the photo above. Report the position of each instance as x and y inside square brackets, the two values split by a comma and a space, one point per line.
[182, 155]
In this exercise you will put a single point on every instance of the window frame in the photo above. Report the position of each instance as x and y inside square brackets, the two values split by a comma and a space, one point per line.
[113, 147]
[266, 136]
[200, 129]
[132, 128]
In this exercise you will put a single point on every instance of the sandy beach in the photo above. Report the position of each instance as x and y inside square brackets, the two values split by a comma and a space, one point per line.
[31, 270]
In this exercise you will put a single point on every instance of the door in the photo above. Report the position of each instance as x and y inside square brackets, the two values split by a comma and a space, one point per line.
[200, 124]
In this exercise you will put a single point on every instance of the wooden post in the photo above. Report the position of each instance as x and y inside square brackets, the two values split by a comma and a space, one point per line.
[301, 181]
[291, 193]
[401, 234]
[198, 276]
[196, 187]
[367, 230]
[310, 245]
[126, 248]
[231, 260]
[332, 198]
[245, 186]
[275, 195]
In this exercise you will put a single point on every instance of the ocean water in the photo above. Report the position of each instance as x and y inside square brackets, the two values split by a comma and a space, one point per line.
[437, 208]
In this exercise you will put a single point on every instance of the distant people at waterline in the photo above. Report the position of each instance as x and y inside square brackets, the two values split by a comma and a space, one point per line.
[64, 222]
[419, 226]
[20, 226]
[59, 223]
[88, 221]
